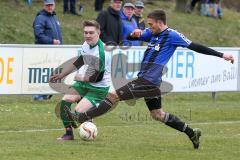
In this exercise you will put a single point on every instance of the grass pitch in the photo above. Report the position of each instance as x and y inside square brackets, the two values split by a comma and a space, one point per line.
[28, 130]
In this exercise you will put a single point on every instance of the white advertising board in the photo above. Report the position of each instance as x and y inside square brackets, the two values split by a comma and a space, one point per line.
[38, 65]
[189, 71]
[25, 69]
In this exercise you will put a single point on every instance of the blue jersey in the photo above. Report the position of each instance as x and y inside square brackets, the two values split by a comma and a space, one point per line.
[160, 49]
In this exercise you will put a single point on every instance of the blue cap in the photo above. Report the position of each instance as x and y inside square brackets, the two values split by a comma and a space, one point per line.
[46, 2]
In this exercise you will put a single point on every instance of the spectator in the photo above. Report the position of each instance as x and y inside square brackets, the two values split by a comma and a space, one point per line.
[129, 24]
[219, 8]
[47, 31]
[110, 22]
[192, 5]
[211, 8]
[72, 7]
[29, 2]
[99, 5]
[139, 7]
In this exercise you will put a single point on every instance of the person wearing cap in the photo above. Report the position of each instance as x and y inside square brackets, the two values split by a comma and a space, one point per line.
[110, 23]
[129, 24]
[46, 25]
[47, 30]
[139, 7]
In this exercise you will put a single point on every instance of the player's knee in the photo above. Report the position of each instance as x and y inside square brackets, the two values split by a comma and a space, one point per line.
[71, 98]
[158, 115]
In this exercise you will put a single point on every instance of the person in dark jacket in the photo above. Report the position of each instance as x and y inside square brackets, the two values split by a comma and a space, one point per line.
[46, 25]
[139, 7]
[98, 5]
[47, 31]
[110, 23]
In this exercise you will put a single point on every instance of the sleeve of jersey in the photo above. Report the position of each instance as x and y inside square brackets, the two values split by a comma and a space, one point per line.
[79, 62]
[82, 52]
[179, 39]
[204, 50]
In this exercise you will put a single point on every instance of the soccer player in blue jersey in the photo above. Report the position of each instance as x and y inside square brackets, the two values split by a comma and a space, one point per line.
[162, 42]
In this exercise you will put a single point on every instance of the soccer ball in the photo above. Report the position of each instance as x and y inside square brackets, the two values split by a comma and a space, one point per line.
[88, 131]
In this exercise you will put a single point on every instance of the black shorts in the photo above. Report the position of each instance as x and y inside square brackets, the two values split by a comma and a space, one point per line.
[141, 88]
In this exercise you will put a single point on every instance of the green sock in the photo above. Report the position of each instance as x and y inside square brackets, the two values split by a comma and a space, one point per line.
[63, 114]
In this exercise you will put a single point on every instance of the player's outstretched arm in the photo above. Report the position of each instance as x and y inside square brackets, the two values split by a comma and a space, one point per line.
[64, 73]
[208, 51]
[67, 70]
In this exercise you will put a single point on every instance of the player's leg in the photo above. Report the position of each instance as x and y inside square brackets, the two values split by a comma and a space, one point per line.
[156, 111]
[106, 104]
[78, 90]
[67, 101]
[133, 90]
[83, 105]
[99, 97]
[88, 102]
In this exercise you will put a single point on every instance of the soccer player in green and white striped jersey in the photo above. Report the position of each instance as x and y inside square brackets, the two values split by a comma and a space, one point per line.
[92, 80]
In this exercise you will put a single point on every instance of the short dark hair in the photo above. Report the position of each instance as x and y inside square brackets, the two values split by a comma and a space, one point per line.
[91, 23]
[158, 14]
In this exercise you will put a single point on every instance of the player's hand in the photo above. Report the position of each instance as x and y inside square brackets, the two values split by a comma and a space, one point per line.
[228, 57]
[55, 77]
[136, 33]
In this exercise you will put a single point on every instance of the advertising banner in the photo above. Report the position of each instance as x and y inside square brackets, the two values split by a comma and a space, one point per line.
[38, 66]
[189, 71]
[25, 69]
[10, 70]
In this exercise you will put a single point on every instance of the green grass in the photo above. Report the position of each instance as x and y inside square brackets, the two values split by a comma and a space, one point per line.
[16, 23]
[127, 132]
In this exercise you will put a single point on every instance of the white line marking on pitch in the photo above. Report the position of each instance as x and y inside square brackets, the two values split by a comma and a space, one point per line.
[110, 126]
[219, 122]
